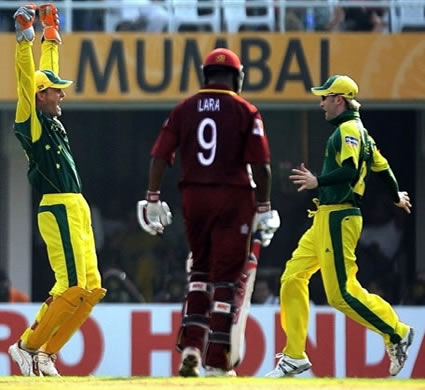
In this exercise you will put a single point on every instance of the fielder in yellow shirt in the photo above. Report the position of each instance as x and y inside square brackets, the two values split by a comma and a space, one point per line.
[63, 216]
[329, 245]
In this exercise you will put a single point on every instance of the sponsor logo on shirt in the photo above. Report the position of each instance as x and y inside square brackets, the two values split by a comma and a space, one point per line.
[258, 128]
[351, 140]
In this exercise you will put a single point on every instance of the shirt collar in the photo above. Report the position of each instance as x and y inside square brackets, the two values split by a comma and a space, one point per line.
[217, 86]
[345, 116]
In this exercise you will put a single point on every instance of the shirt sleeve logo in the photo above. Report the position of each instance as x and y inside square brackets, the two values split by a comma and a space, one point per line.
[258, 128]
[351, 140]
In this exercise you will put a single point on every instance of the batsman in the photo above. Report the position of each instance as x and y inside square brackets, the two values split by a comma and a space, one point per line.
[64, 216]
[218, 134]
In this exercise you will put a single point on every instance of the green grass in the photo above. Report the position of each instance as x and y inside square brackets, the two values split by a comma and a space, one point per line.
[241, 383]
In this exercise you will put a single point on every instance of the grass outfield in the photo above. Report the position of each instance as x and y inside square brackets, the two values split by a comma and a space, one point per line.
[241, 383]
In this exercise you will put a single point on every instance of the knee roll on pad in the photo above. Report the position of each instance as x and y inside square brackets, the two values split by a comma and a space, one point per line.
[198, 296]
[197, 300]
[198, 283]
[96, 296]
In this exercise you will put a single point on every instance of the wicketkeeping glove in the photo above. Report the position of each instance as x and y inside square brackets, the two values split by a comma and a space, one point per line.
[49, 18]
[153, 215]
[266, 222]
[24, 20]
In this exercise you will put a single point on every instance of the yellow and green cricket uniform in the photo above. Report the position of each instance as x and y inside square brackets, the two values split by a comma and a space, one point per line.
[63, 216]
[329, 245]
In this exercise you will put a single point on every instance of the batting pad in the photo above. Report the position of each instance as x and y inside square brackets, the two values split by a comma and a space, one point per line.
[58, 312]
[68, 328]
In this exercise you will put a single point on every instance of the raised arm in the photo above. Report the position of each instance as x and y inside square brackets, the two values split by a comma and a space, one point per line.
[24, 62]
[49, 19]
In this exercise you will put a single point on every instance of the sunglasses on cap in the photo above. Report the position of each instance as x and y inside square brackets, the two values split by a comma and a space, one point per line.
[331, 94]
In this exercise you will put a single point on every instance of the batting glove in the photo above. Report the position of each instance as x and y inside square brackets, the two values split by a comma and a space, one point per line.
[24, 20]
[266, 222]
[49, 18]
[153, 215]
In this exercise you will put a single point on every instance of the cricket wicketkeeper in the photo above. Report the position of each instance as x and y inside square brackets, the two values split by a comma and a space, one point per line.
[63, 216]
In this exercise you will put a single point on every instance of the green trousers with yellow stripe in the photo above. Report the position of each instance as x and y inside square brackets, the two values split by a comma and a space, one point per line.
[329, 246]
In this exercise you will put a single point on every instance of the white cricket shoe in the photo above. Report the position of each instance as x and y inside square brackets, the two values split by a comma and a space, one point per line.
[24, 359]
[191, 362]
[46, 364]
[214, 371]
[287, 366]
[398, 352]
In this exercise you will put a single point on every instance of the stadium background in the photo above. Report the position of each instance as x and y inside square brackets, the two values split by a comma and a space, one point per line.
[127, 83]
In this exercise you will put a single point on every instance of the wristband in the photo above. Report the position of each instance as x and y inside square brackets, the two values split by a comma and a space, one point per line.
[263, 207]
[152, 196]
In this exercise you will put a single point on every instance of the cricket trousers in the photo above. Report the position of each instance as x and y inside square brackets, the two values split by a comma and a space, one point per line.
[218, 224]
[329, 246]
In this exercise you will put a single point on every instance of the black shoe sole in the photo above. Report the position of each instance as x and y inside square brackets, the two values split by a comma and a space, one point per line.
[188, 368]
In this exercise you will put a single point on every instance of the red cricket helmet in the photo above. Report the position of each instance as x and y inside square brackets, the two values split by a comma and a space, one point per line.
[223, 57]
[226, 58]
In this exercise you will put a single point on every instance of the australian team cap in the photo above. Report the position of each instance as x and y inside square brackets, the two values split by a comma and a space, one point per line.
[337, 85]
[223, 57]
[47, 79]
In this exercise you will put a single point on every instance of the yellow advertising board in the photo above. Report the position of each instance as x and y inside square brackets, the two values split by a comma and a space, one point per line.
[131, 67]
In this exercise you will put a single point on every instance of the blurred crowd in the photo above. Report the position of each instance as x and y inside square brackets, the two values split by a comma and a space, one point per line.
[157, 16]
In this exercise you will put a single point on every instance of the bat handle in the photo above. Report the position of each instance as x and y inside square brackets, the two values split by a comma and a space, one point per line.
[256, 244]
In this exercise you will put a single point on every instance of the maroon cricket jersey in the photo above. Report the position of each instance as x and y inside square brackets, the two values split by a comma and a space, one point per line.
[218, 133]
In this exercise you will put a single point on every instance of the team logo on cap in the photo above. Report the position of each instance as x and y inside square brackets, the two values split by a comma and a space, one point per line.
[221, 58]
